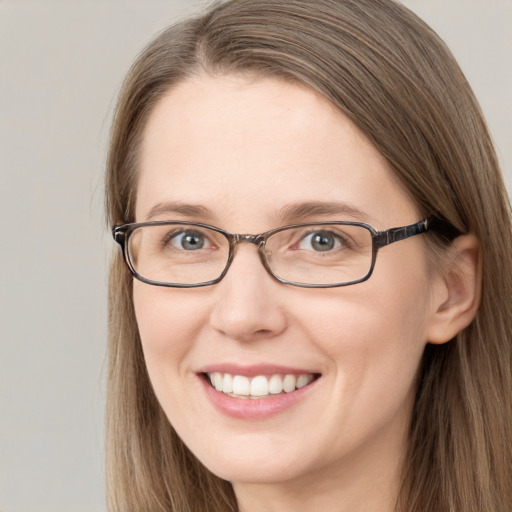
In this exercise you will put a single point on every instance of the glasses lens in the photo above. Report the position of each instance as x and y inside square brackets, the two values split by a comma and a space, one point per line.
[178, 254]
[325, 254]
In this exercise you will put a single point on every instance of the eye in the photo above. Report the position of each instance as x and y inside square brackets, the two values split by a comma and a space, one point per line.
[190, 240]
[320, 241]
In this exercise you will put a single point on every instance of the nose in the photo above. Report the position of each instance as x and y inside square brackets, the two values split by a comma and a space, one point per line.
[247, 303]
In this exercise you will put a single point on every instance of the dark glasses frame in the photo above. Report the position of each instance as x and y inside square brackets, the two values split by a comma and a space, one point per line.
[121, 234]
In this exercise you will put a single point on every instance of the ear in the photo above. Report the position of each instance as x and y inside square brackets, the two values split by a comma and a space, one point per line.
[457, 296]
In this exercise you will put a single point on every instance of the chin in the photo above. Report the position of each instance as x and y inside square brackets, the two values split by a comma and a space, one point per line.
[262, 459]
[255, 472]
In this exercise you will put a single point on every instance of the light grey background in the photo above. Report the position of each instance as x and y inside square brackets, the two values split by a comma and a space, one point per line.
[61, 64]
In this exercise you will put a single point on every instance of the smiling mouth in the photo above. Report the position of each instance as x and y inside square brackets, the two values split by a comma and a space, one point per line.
[260, 386]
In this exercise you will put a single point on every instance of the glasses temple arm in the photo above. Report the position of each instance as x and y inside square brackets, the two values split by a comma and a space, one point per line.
[431, 223]
[393, 235]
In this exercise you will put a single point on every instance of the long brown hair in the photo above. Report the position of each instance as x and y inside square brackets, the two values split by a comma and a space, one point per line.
[396, 80]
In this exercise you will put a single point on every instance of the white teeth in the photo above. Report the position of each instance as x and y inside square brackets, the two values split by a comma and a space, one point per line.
[260, 386]
[227, 386]
[241, 385]
[275, 385]
[289, 383]
[303, 380]
[217, 381]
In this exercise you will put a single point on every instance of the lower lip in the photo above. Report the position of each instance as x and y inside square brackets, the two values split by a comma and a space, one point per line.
[254, 408]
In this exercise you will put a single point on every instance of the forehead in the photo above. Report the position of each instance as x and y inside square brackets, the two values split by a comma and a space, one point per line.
[246, 148]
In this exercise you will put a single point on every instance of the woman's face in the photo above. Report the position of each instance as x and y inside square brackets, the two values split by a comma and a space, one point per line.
[248, 156]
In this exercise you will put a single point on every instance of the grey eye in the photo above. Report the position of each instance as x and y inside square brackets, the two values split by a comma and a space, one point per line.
[320, 241]
[189, 240]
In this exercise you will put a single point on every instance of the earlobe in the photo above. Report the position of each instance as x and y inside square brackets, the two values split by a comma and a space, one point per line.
[458, 301]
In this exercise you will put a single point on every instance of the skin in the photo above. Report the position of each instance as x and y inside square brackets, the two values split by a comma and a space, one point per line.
[244, 149]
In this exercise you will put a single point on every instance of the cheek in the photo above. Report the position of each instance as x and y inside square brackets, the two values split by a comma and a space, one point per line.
[167, 324]
[374, 350]
[372, 334]
[376, 319]
[169, 321]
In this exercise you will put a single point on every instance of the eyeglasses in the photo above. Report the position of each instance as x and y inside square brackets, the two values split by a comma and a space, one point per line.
[314, 255]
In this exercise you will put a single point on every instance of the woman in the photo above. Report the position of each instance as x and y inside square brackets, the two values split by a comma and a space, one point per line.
[359, 358]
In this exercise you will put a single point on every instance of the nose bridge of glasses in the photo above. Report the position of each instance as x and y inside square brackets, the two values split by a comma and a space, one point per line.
[257, 240]
[248, 239]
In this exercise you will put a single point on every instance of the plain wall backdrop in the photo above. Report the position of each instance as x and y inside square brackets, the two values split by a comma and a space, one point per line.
[61, 65]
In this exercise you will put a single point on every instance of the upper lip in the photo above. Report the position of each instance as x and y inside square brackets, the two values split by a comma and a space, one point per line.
[253, 370]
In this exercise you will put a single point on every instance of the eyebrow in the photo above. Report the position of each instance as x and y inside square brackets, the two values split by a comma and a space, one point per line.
[288, 214]
[188, 210]
[301, 211]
